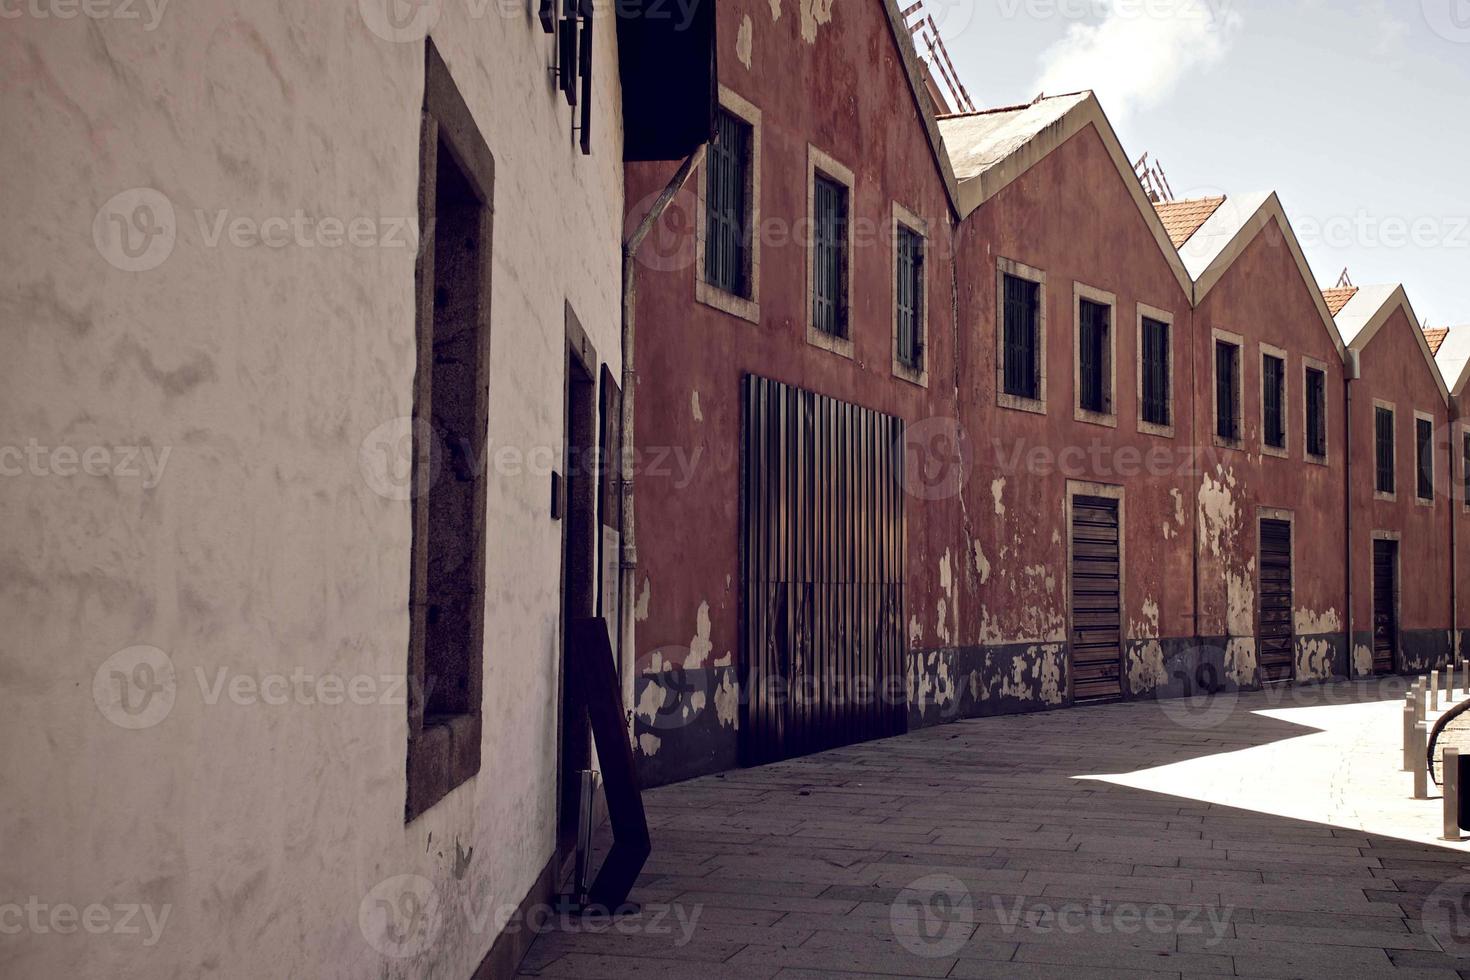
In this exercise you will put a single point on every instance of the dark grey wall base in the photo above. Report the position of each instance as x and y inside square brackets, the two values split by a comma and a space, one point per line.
[976, 682]
[685, 724]
[1421, 650]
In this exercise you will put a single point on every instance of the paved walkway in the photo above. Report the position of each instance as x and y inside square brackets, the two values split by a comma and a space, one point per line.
[1270, 835]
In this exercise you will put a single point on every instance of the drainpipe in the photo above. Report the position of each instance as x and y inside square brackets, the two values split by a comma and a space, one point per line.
[1198, 474]
[1349, 375]
[1454, 550]
[629, 562]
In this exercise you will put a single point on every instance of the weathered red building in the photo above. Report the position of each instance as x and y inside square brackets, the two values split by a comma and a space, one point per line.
[1266, 372]
[737, 286]
[1064, 585]
[940, 417]
[1398, 524]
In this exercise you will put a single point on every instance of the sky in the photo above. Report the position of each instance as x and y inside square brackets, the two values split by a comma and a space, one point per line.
[1356, 112]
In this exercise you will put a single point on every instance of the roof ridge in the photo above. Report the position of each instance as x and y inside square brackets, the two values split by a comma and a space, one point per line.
[995, 110]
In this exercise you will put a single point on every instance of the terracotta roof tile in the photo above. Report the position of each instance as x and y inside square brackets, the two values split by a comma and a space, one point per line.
[1183, 218]
[1435, 337]
[1337, 298]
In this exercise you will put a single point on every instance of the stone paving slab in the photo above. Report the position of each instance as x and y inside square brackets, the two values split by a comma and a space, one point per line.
[1126, 840]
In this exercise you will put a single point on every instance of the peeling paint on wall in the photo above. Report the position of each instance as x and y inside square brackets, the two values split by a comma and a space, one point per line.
[814, 13]
[640, 610]
[1362, 660]
[699, 646]
[1240, 660]
[648, 743]
[982, 564]
[1308, 623]
[948, 625]
[1313, 660]
[916, 631]
[1148, 627]
[694, 408]
[743, 41]
[997, 490]
[1146, 670]
[775, 10]
[727, 702]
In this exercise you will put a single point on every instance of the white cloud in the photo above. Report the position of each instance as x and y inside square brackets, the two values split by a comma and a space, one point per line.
[1139, 50]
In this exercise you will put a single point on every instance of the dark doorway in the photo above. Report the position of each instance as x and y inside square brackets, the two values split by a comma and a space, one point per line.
[1385, 605]
[822, 573]
[1274, 626]
[579, 503]
[1097, 634]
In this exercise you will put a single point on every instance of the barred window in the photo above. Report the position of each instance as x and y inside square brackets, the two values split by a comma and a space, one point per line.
[908, 291]
[1383, 449]
[727, 206]
[1156, 408]
[1227, 390]
[1273, 398]
[1316, 412]
[829, 244]
[1022, 375]
[1093, 371]
[1465, 464]
[1424, 442]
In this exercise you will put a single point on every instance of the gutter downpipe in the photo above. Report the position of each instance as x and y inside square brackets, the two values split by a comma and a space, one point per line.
[1349, 375]
[629, 559]
[1454, 549]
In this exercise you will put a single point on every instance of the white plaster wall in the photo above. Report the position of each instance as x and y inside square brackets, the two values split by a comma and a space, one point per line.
[262, 550]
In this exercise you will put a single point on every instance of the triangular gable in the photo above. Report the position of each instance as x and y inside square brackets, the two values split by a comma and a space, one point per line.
[1453, 358]
[994, 148]
[1222, 239]
[916, 73]
[1367, 312]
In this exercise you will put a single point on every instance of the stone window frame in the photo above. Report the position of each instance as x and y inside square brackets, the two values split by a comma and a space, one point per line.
[1393, 410]
[1238, 443]
[1433, 464]
[706, 292]
[1010, 267]
[903, 217]
[1464, 456]
[1271, 350]
[1081, 291]
[1167, 318]
[1313, 364]
[820, 162]
[443, 756]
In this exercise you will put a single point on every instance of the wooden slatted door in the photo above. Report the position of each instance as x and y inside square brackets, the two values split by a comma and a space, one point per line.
[1274, 626]
[1097, 616]
[1385, 607]
[822, 573]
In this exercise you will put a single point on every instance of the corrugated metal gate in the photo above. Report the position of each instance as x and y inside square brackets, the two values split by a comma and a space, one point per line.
[1097, 634]
[823, 573]
[1385, 607]
[1274, 627]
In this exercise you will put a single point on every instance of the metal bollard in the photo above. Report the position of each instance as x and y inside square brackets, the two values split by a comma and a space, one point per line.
[1419, 700]
[1444, 686]
[1421, 776]
[1411, 727]
[1434, 690]
[1449, 780]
